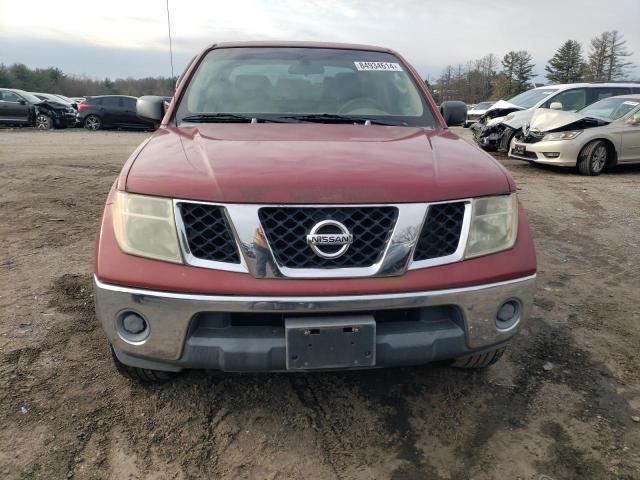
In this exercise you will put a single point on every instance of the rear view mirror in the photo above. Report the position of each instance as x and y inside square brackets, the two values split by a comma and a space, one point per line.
[555, 106]
[150, 108]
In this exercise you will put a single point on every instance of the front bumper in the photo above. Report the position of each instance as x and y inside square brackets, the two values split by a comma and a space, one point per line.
[199, 331]
[561, 152]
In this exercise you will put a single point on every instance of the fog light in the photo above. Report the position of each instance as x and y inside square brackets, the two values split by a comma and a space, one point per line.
[133, 323]
[132, 327]
[551, 154]
[508, 314]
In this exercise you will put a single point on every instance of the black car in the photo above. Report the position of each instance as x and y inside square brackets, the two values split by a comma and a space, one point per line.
[56, 98]
[18, 107]
[110, 111]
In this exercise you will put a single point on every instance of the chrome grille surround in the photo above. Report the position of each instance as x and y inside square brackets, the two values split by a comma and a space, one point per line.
[396, 259]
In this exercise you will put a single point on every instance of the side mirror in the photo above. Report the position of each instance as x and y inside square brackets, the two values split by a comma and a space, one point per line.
[555, 106]
[22, 102]
[634, 119]
[454, 112]
[150, 108]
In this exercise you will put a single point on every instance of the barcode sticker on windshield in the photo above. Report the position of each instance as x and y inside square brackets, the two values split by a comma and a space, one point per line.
[378, 66]
[629, 102]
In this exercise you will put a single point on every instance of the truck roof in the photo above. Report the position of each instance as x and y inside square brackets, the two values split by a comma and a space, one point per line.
[271, 43]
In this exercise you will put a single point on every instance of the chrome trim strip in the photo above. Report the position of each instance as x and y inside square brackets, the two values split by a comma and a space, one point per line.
[396, 259]
[246, 303]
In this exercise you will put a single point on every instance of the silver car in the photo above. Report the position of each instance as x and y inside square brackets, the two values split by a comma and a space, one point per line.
[604, 134]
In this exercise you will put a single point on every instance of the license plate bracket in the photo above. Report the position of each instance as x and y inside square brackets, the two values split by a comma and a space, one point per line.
[347, 341]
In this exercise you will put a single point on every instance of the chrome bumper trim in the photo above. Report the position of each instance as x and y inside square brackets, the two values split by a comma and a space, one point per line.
[169, 314]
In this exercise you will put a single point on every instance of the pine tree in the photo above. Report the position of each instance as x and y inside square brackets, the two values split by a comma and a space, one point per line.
[524, 71]
[616, 66]
[517, 72]
[607, 56]
[567, 64]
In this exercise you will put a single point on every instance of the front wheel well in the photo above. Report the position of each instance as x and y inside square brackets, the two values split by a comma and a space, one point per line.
[612, 157]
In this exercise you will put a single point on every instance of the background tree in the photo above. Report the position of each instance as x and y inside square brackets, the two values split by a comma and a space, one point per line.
[53, 80]
[567, 64]
[616, 66]
[516, 75]
[524, 72]
[607, 58]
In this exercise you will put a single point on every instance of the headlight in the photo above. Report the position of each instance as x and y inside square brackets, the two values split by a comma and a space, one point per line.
[494, 225]
[145, 226]
[570, 135]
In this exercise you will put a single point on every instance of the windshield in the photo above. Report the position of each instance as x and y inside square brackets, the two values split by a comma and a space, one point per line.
[483, 105]
[611, 108]
[531, 97]
[289, 83]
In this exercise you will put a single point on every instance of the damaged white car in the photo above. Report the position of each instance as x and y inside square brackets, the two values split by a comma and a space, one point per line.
[497, 127]
[604, 134]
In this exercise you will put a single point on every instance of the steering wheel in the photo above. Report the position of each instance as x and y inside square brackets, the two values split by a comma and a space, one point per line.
[362, 106]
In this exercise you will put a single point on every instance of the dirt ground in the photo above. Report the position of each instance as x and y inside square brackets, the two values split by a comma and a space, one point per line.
[66, 413]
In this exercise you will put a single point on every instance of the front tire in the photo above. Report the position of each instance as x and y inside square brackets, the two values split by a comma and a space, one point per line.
[43, 122]
[141, 375]
[593, 158]
[93, 123]
[479, 360]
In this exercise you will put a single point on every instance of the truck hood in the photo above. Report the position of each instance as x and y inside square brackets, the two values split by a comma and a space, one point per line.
[313, 163]
[545, 120]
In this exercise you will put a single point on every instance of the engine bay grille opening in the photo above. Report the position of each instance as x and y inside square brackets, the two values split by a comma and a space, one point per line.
[441, 232]
[208, 233]
[286, 230]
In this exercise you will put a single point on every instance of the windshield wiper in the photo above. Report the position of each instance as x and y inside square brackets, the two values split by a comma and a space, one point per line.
[336, 118]
[226, 118]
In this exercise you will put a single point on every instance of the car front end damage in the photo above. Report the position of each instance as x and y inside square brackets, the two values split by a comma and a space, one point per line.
[492, 130]
[553, 137]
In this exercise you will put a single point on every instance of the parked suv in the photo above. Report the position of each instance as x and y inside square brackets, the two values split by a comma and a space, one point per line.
[497, 127]
[18, 107]
[110, 111]
[303, 206]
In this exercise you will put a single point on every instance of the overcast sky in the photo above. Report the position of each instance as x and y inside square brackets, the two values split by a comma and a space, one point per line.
[121, 38]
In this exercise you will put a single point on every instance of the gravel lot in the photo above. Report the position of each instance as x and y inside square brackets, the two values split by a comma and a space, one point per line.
[66, 413]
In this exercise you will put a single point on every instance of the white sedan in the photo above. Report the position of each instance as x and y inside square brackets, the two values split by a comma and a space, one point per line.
[604, 134]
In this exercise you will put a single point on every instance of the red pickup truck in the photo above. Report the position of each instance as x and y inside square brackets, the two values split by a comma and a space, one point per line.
[303, 206]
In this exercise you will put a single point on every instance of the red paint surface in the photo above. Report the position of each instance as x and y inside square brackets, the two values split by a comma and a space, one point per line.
[313, 163]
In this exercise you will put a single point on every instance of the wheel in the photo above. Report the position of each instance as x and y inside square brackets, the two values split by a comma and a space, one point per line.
[479, 360]
[593, 158]
[92, 122]
[141, 375]
[44, 122]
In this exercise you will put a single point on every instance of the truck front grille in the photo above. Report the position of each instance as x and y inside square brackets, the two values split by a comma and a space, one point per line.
[441, 231]
[286, 229]
[208, 233]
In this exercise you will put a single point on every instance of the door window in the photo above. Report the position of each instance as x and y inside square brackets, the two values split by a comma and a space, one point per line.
[129, 103]
[606, 92]
[10, 97]
[571, 100]
[111, 102]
